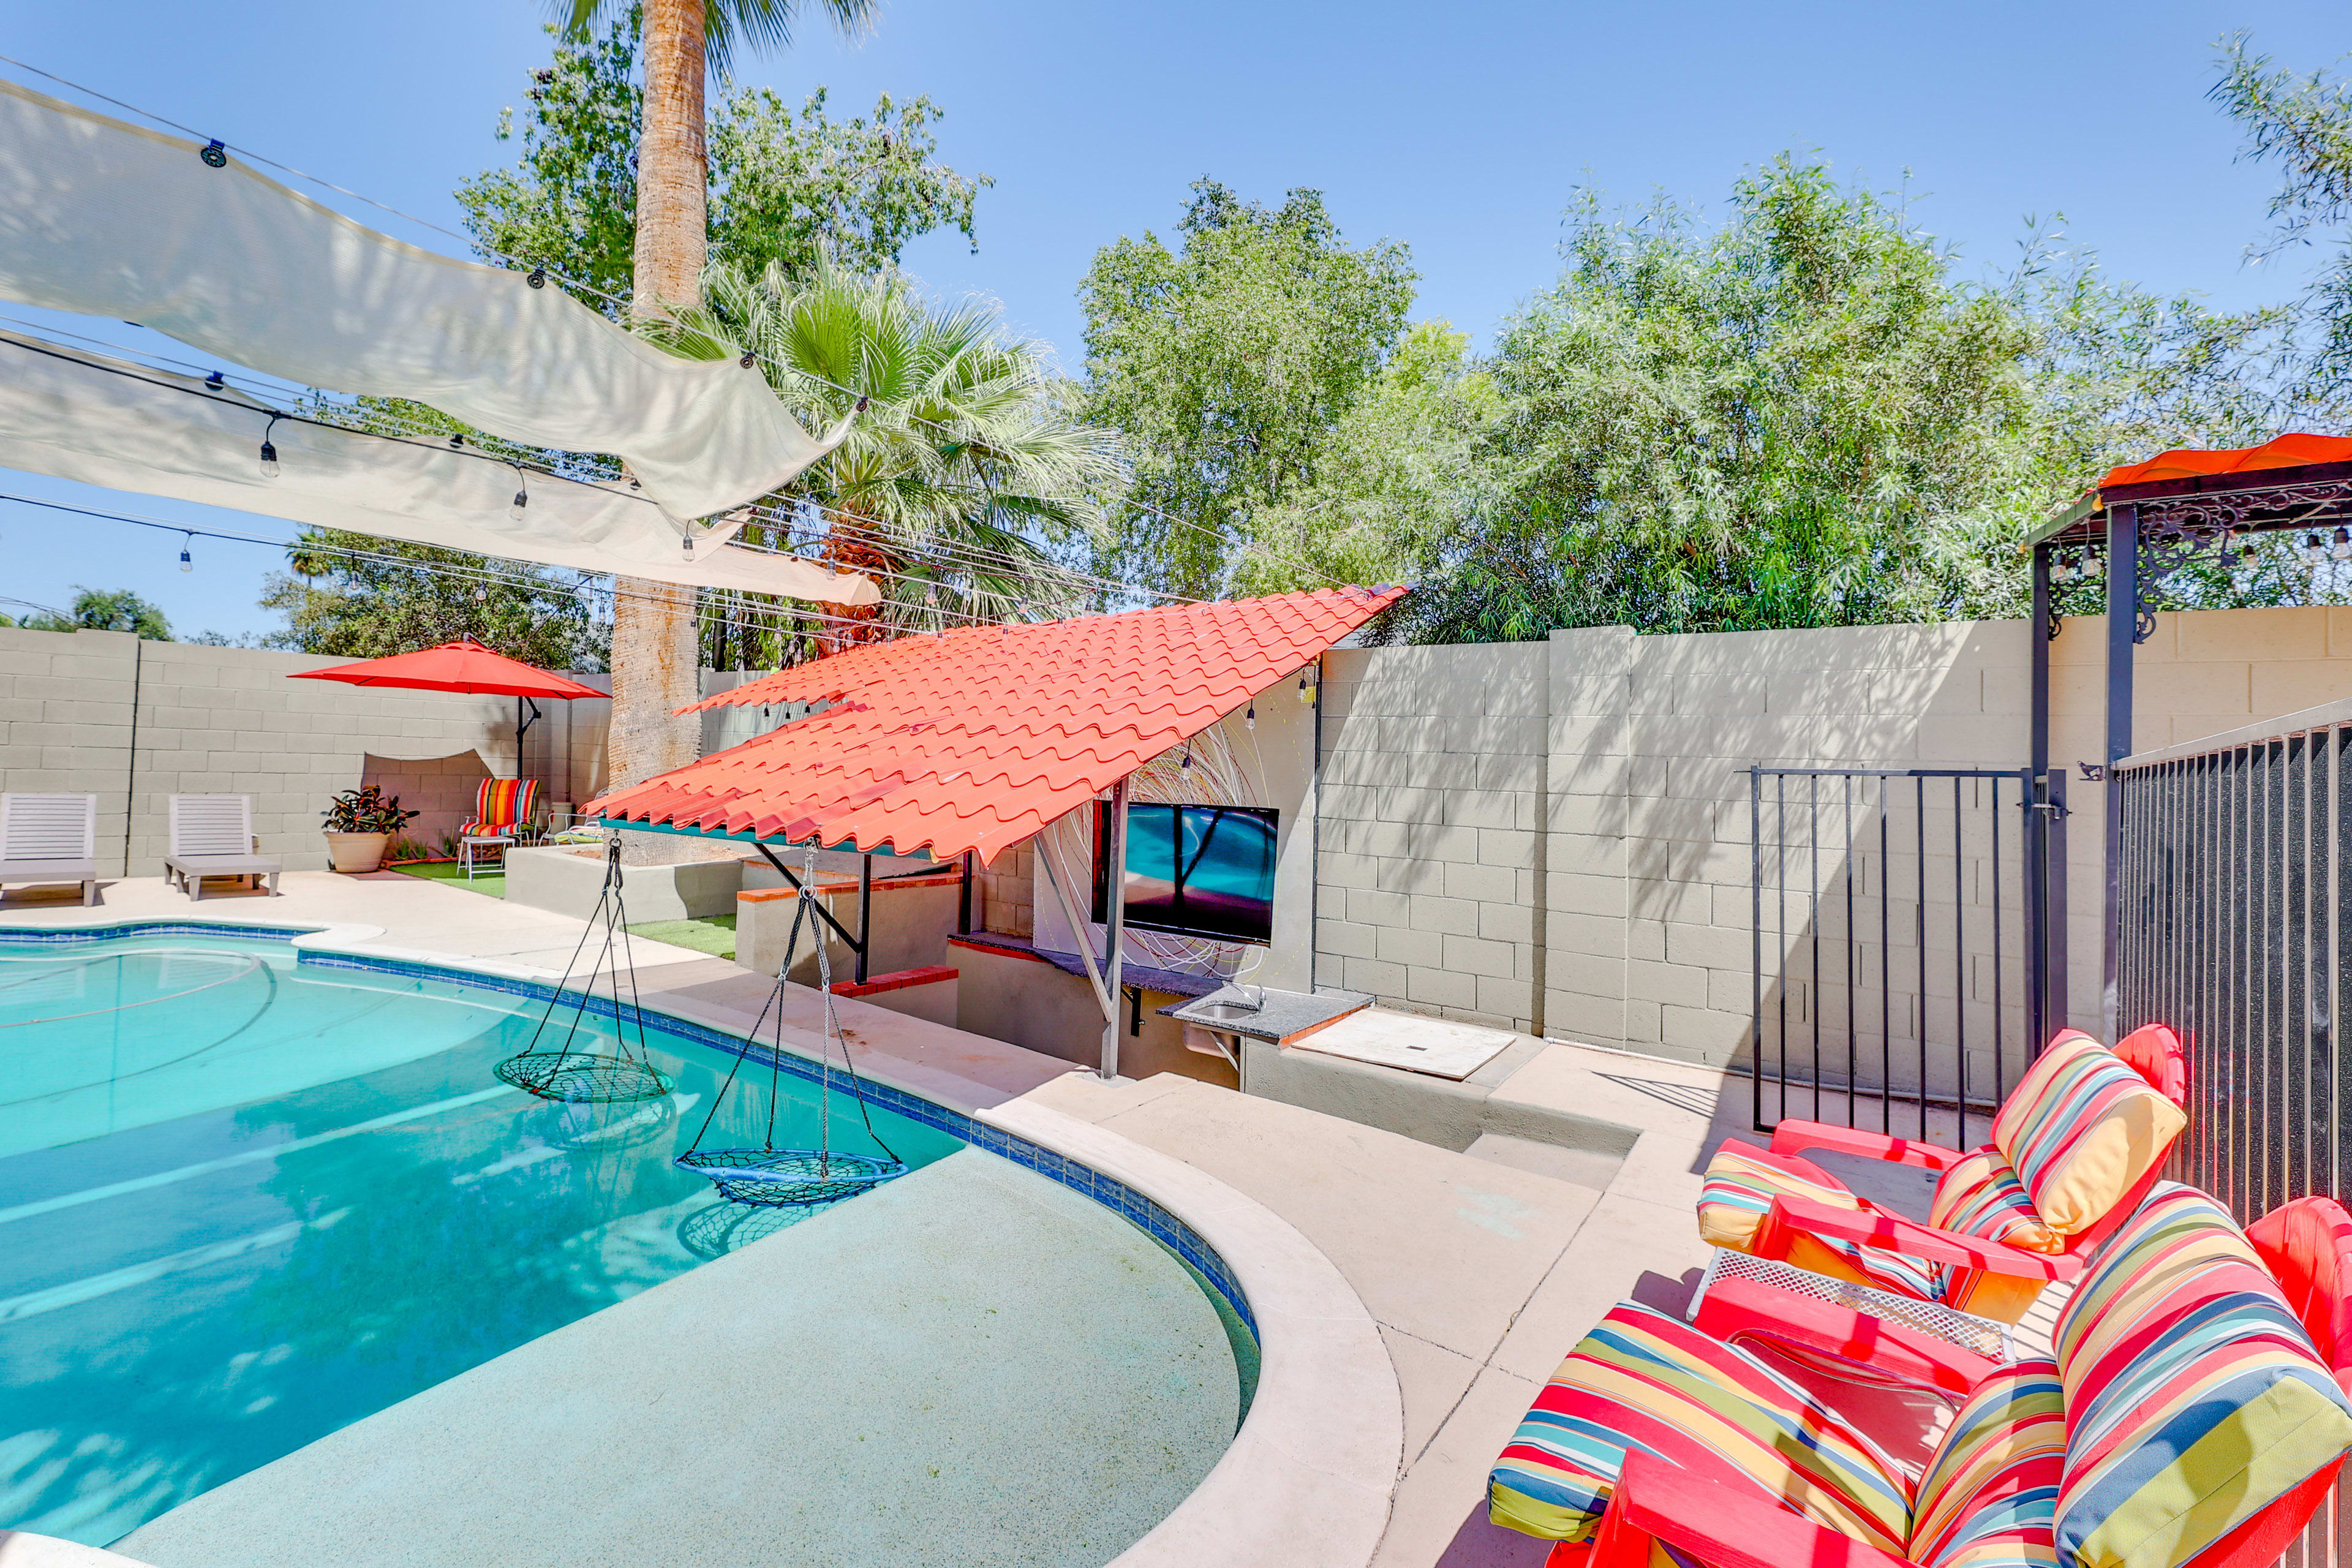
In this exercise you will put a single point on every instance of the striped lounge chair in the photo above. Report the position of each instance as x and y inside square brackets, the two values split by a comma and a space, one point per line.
[2074, 1148]
[2188, 1419]
[503, 806]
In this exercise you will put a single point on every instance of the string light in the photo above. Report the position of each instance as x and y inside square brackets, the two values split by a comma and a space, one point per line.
[521, 499]
[268, 452]
[187, 563]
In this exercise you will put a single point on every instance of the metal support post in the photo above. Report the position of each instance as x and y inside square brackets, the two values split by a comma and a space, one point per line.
[865, 912]
[964, 893]
[1114, 873]
[2038, 869]
[2122, 635]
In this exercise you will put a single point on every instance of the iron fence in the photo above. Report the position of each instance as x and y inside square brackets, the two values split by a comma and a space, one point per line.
[1903, 954]
[2233, 893]
[2232, 877]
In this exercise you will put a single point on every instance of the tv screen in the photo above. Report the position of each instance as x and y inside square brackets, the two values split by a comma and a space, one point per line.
[1193, 870]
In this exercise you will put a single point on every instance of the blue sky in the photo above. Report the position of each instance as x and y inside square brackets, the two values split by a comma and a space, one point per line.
[1460, 130]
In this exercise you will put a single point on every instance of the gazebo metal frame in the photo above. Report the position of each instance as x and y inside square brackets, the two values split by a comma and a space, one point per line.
[2145, 532]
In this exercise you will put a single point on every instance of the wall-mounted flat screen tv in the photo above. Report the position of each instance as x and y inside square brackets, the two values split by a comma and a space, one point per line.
[1193, 870]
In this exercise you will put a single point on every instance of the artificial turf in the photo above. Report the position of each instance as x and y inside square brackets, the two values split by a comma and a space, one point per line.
[713, 934]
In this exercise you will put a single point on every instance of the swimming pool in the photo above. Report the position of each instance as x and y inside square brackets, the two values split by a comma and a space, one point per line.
[247, 1200]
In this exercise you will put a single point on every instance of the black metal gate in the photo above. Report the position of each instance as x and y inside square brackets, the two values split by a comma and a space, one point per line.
[1908, 943]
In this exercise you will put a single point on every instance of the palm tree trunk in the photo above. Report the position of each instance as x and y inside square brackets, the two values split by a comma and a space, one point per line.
[654, 643]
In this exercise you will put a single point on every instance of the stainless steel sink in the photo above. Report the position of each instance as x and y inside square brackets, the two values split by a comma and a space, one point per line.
[1221, 1013]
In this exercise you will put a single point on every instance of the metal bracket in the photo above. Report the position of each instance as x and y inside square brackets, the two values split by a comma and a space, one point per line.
[822, 913]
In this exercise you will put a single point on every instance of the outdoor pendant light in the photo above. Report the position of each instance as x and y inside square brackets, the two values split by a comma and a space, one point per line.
[1249, 720]
[268, 452]
[186, 562]
[522, 497]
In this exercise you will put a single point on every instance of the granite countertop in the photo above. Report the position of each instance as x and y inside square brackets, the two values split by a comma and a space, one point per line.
[1286, 1015]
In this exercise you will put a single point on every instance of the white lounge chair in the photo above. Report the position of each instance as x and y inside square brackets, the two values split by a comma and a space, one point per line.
[49, 838]
[212, 836]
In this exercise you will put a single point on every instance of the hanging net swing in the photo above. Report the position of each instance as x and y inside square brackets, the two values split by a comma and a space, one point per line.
[593, 1068]
[776, 1178]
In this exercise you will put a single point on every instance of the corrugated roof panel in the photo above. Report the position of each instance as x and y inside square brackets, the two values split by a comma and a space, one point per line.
[975, 739]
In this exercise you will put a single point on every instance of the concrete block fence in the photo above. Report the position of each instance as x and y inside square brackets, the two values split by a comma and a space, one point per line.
[1555, 836]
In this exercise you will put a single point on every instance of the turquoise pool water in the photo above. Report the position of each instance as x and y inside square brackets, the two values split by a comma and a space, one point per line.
[246, 1201]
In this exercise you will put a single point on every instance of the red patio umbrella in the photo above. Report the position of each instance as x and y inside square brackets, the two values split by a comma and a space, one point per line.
[462, 665]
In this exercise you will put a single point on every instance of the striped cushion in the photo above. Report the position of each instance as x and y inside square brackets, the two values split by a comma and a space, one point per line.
[1741, 1182]
[502, 803]
[1645, 1379]
[2193, 1396]
[1988, 1498]
[1981, 1197]
[2079, 1129]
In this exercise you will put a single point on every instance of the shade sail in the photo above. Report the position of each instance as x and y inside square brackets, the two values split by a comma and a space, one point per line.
[107, 219]
[129, 426]
[976, 739]
[462, 665]
[2289, 451]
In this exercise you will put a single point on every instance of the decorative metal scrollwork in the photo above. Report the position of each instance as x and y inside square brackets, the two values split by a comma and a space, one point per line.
[2166, 545]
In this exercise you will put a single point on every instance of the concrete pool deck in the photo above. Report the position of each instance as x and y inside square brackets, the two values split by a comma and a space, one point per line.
[1410, 1298]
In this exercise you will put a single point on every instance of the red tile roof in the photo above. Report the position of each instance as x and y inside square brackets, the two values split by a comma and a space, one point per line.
[978, 738]
[2286, 452]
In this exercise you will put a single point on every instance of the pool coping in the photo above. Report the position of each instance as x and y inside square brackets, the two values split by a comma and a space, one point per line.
[1308, 1478]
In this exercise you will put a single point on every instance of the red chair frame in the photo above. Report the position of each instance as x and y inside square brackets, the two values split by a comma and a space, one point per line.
[2153, 1051]
[2306, 1246]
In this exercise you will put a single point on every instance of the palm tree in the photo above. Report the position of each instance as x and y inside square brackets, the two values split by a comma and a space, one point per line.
[963, 464]
[684, 40]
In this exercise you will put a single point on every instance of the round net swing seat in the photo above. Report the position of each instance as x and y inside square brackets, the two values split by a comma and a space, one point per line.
[778, 1178]
[580, 1075]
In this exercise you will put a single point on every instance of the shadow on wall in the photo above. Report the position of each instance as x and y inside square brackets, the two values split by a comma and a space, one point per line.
[443, 788]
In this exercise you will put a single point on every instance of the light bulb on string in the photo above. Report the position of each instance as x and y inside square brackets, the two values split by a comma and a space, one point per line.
[269, 451]
[188, 561]
[1249, 720]
[523, 500]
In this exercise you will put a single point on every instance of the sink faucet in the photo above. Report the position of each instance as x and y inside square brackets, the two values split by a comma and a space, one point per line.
[1254, 994]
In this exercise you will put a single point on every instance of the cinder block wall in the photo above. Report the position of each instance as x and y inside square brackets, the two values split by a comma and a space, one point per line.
[1628, 754]
[1430, 854]
[136, 722]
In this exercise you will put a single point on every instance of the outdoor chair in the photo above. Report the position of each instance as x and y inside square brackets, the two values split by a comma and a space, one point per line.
[50, 839]
[503, 808]
[2074, 1148]
[212, 836]
[2195, 1416]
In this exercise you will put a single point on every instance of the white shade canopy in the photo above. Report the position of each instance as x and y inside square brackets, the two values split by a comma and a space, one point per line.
[108, 219]
[129, 426]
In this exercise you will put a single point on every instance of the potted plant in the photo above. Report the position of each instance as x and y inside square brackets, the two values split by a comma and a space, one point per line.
[360, 823]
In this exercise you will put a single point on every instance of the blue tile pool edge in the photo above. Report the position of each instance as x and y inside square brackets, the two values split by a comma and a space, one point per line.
[1136, 1208]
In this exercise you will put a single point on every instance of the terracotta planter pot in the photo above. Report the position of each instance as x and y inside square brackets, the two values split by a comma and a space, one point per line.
[354, 852]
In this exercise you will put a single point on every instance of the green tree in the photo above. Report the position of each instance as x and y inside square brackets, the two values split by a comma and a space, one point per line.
[1225, 362]
[356, 597]
[1809, 416]
[963, 467]
[2302, 123]
[115, 610]
[1395, 481]
[784, 185]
